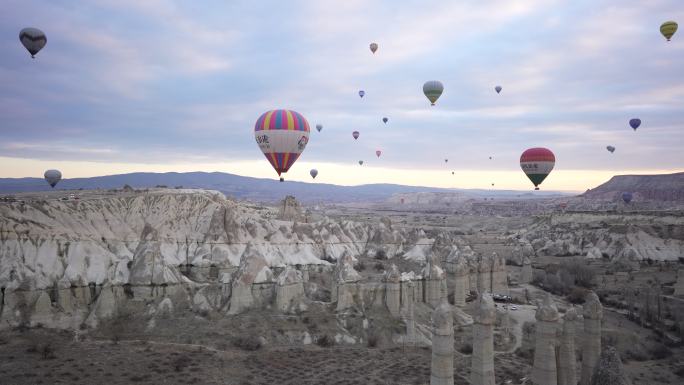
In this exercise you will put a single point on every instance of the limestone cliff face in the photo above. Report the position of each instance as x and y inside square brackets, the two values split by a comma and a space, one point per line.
[151, 238]
[618, 236]
[669, 187]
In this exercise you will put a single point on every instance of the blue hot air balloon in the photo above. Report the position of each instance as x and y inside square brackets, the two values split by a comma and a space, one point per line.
[635, 123]
[361, 93]
[627, 197]
[498, 89]
[384, 120]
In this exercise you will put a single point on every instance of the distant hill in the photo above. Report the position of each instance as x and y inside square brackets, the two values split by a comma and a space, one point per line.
[666, 187]
[256, 189]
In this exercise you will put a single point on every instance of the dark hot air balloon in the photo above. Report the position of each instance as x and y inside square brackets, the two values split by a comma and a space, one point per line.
[52, 177]
[33, 40]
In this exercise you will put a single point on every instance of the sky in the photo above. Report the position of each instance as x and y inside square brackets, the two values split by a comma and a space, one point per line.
[154, 85]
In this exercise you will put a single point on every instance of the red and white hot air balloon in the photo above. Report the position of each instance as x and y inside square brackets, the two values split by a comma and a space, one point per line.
[282, 136]
[537, 164]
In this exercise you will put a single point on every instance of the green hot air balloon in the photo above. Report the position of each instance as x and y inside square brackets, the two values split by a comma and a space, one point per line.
[668, 29]
[433, 90]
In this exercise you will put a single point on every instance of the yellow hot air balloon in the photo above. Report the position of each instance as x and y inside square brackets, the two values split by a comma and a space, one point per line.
[668, 29]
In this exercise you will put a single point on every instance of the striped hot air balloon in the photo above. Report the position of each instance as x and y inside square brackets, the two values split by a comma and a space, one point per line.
[537, 164]
[282, 136]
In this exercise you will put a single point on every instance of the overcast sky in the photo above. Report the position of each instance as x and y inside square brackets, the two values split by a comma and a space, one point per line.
[152, 85]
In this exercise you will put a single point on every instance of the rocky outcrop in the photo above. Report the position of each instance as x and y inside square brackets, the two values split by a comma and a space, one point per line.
[458, 270]
[567, 364]
[526, 273]
[253, 269]
[667, 187]
[393, 290]
[289, 289]
[544, 371]
[345, 282]
[435, 283]
[442, 368]
[499, 276]
[591, 337]
[609, 370]
[290, 210]
[482, 362]
[679, 285]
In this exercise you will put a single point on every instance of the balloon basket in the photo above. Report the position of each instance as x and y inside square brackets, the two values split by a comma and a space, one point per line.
[536, 189]
[282, 179]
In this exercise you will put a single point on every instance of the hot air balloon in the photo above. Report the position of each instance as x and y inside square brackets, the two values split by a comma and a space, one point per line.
[537, 164]
[635, 123]
[360, 163]
[281, 135]
[490, 158]
[378, 153]
[355, 134]
[361, 93]
[313, 173]
[384, 120]
[611, 149]
[446, 160]
[319, 127]
[33, 40]
[627, 197]
[373, 47]
[668, 29]
[492, 184]
[52, 177]
[433, 90]
[498, 89]
[452, 173]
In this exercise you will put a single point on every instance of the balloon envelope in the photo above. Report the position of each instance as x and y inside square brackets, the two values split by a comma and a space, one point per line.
[313, 173]
[361, 93]
[498, 89]
[537, 164]
[378, 153]
[33, 40]
[373, 47]
[433, 90]
[635, 123]
[52, 177]
[610, 148]
[627, 197]
[282, 136]
[384, 120]
[446, 160]
[360, 162]
[668, 29]
[319, 127]
[355, 134]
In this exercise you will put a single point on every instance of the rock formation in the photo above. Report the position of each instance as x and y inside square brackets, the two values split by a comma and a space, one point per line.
[567, 366]
[290, 210]
[679, 285]
[482, 362]
[289, 289]
[526, 273]
[393, 290]
[484, 275]
[442, 372]
[345, 282]
[609, 370]
[435, 283]
[460, 272]
[499, 277]
[544, 370]
[253, 269]
[591, 337]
